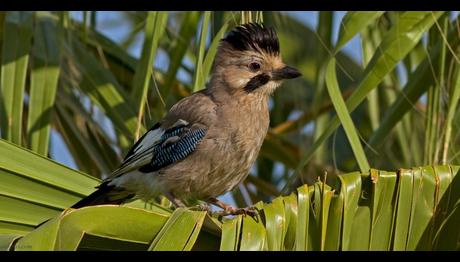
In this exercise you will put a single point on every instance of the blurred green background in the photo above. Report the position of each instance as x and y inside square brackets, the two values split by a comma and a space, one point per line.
[379, 89]
[96, 61]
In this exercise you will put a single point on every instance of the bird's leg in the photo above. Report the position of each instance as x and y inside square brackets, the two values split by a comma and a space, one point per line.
[176, 201]
[202, 207]
[230, 210]
[220, 204]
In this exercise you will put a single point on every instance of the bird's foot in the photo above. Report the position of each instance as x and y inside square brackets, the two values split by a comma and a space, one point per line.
[202, 207]
[229, 210]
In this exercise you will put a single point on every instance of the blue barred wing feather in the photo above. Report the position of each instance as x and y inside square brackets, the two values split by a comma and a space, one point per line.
[160, 147]
[185, 142]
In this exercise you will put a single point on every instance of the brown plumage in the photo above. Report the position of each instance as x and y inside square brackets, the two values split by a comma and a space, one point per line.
[207, 143]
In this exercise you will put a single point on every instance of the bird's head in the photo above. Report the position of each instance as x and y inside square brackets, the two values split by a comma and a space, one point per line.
[248, 59]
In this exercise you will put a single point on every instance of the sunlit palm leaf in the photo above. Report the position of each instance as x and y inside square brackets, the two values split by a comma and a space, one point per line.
[17, 34]
[45, 61]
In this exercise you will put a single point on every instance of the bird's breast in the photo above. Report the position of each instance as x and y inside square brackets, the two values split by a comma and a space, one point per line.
[239, 141]
[225, 156]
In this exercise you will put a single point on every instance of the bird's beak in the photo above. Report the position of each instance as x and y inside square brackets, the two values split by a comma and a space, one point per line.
[286, 72]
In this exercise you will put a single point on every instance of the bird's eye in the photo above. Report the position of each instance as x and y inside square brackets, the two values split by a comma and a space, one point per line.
[254, 66]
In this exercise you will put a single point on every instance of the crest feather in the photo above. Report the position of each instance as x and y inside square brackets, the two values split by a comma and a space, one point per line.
[254, 37]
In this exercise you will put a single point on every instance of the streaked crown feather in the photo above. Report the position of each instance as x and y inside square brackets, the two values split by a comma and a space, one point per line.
[254, 37]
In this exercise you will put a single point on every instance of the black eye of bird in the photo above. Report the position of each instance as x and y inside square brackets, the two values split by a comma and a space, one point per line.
[254, 66]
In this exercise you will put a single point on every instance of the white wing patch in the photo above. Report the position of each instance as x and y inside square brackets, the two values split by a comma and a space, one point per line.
[149, 140]
[142, 153]
[180, 122]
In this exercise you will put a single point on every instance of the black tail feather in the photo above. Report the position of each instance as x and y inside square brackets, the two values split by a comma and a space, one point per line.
[104, 195]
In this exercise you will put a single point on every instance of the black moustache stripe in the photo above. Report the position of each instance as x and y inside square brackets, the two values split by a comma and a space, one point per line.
[256, 82]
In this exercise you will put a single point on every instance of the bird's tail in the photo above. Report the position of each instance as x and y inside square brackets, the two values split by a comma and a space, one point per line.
[104, 195]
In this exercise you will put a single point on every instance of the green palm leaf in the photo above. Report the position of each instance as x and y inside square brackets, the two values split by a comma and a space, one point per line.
[76, 92]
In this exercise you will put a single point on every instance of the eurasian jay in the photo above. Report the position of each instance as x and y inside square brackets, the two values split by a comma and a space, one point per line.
[208, 141]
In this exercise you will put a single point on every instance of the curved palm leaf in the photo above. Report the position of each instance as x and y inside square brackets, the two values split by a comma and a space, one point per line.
[411, 209]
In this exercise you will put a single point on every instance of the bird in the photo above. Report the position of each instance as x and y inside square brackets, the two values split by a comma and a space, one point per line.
[207, 143]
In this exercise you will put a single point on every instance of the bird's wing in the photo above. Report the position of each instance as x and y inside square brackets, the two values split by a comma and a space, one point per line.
[161, 146]
[141, 152]
[175, 145]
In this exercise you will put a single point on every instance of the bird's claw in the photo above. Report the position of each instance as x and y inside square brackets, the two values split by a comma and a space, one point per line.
[251, 211]
[202, 207]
